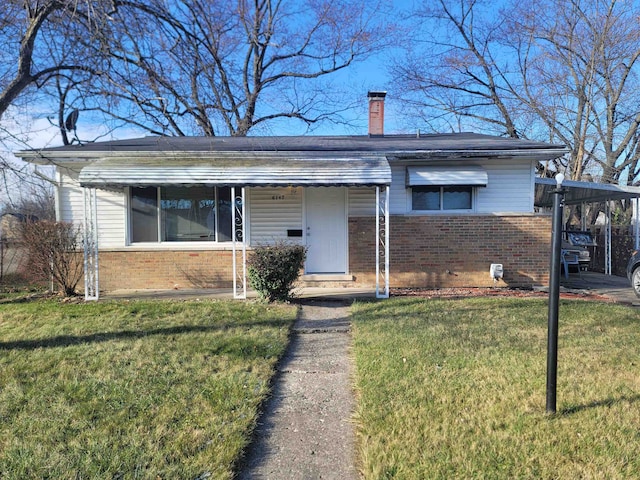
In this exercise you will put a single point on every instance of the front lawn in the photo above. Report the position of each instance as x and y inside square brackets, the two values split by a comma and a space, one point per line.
[158, 390]
[456, 389]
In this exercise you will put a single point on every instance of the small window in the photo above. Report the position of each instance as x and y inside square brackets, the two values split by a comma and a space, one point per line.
[430, 198]
[181, 214]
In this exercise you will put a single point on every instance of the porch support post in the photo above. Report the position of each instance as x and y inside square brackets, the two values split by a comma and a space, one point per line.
[607, 239]
[90, 244]
[239, 235]
[382, 243]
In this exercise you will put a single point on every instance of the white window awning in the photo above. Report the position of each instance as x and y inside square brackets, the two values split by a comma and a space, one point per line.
[236, 171]
[439, 176]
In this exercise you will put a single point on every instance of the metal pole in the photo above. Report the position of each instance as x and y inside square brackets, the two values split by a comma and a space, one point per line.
[377, 241]
[636, 224]
[554, 297]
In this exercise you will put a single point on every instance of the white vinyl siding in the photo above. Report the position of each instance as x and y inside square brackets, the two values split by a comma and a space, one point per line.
[399, 202]
[110, 207]
[71, 199]
[362, 201]
[509, 189]
[111, 218]
[273, 211]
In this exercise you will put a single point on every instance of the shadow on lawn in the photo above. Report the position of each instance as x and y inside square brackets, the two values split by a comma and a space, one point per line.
[70, 340]
[609, 402]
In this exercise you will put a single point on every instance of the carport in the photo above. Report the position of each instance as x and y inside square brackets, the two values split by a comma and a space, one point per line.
[581, 193]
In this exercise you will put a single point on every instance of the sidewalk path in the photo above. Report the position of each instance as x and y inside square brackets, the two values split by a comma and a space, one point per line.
[305, 431]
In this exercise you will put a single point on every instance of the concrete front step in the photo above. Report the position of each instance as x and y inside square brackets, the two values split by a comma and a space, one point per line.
[326, 280]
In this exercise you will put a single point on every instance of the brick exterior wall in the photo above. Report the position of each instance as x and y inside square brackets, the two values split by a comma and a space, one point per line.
[455, 251]
[425, 251]
[165, 269]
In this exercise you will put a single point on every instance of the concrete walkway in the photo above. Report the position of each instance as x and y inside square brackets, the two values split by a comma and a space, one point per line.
[616, 288]
[305, 431]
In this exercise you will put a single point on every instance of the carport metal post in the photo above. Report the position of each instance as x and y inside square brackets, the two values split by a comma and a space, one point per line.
[636, 224]
[554, 294]
[607, 239]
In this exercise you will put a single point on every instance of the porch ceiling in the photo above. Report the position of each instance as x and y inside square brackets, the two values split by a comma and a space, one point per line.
[582, 192]
[248, 171]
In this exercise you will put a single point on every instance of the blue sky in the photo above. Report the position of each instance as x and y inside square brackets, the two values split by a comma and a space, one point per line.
[358, 78]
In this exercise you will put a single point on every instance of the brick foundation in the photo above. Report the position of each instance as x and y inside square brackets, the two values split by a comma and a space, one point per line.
[455, 251]
[164, 269]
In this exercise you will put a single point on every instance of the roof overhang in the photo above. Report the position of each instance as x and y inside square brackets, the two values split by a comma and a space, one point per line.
[582, 192]
[246, 171]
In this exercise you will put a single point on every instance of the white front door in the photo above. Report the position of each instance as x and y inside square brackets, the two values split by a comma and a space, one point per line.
[326, 230]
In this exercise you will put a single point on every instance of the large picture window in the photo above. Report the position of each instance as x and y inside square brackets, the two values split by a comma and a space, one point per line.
[434, 198]
[180, 214]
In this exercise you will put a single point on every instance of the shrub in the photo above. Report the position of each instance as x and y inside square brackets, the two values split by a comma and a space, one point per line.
[273, 269]
[54, 252]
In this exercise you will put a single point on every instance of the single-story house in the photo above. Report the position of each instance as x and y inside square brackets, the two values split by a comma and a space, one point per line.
[419, 210]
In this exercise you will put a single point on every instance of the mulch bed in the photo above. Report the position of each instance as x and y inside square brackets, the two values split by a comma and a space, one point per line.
[465, 292]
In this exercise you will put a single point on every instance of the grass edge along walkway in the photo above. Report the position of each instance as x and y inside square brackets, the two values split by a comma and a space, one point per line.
[456, 389]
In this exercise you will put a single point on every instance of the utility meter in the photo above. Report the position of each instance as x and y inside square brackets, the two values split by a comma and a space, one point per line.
[496, 271]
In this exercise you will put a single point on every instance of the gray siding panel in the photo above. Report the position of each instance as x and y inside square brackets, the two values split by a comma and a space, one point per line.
[362, 201]
[273, 211]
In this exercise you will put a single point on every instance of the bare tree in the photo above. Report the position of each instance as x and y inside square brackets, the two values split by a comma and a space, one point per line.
[40, 41]
[453, 73]
[210, 66]
[31, 31]
[558, 70]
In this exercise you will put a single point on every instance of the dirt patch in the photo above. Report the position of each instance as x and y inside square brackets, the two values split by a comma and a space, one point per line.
[465, 292]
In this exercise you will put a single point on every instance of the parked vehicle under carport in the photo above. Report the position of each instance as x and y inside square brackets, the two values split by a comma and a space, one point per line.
[633, 272]
[577, 242]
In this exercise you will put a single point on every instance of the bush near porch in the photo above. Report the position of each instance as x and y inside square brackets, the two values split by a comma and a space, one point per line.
[456, 389]
[133, 389]
[273, 270]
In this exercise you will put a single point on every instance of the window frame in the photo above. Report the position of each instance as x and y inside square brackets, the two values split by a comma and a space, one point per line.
[442, 210]
[160, 220]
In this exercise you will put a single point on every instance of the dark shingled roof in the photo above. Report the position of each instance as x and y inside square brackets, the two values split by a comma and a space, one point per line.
[387, 144]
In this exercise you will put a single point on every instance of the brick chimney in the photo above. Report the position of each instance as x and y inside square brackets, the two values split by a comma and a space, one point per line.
[376, 113]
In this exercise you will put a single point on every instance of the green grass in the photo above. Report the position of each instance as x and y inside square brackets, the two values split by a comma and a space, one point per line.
[150, 390]
[456, 389]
